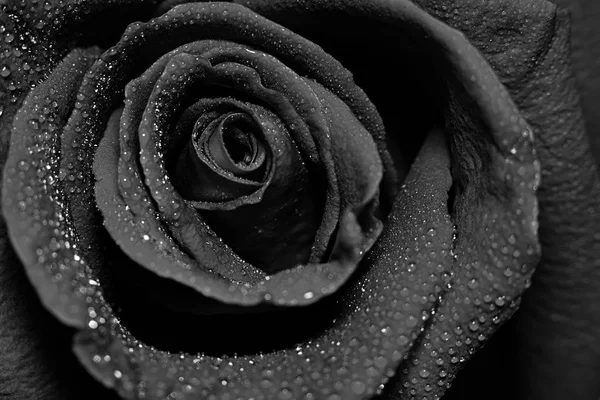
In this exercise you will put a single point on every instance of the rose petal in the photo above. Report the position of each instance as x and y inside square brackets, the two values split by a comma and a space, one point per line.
[559, 320]
[423, 377]
[207, 170]
[289, 288]
[32, 339]
[555, 359]
[350, 359]
[277, 230]
[33, 195]
[249, 81]
[512, 36]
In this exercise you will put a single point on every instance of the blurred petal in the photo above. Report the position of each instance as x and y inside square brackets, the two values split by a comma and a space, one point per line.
[559, 322]
[585, 40]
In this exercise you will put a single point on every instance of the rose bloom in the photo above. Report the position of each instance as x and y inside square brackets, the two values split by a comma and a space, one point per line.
[298, 199]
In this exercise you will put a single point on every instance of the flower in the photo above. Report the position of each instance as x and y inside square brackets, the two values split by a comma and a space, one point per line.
[116, 137]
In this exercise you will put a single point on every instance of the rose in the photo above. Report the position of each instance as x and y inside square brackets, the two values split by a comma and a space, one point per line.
[438, 320]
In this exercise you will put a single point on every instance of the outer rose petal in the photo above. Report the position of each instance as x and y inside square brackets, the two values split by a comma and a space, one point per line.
[559, 322]
[526, 43]
[30, 341]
